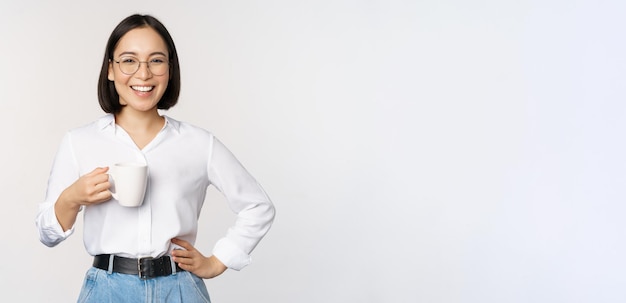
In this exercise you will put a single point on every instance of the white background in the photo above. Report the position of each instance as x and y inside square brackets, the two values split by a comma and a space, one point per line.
[416, 151]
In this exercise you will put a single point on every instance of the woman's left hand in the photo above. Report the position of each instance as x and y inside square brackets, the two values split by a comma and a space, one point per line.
[193, 261]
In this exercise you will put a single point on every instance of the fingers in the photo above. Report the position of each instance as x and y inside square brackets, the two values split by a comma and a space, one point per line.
[98, 171]
[187, 256]
[92, 187]
[186, 262]
[102, 196]
[180, 254]
[102, 187]
[190, 259]
[101, 178]
[98, 176]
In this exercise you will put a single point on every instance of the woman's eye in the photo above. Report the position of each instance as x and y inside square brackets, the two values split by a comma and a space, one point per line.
[157, 60]
[128, 60]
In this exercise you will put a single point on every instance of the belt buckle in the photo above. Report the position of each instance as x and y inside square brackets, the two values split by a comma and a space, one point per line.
[140, 268]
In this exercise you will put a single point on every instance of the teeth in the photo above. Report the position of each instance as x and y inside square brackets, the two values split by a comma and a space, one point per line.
[143, 88]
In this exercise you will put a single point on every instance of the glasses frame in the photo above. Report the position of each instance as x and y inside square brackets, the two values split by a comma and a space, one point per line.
[167, 62]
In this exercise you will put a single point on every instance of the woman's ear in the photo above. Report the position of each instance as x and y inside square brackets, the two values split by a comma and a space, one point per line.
[111, 75]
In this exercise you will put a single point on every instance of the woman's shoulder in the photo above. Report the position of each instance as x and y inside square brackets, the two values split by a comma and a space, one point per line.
[99, 124]
[187, 129]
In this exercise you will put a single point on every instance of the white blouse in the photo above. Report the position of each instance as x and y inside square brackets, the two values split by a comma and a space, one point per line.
[183, 160]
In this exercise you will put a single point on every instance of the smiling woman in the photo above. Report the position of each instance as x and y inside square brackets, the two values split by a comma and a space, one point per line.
[139, 89]
[128, 43]
[139, 250]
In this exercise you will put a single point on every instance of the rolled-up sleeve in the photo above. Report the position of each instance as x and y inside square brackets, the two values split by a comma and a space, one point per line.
[247, 199]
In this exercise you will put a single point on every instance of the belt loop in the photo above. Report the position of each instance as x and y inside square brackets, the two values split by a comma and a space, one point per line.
[111, 257]
[173, 264]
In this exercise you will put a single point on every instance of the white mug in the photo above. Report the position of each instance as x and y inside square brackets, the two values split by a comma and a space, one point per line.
[129, 181]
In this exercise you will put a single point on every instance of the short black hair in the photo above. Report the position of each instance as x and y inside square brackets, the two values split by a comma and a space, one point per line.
[107, 95]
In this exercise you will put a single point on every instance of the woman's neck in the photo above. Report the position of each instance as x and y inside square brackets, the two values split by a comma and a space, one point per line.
[142, 127]
[138, 121]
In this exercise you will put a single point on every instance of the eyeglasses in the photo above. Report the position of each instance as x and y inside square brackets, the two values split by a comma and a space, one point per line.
[130, 65]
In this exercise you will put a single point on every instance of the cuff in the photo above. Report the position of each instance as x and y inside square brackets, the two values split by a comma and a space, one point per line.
[231, 255]
[51, 232]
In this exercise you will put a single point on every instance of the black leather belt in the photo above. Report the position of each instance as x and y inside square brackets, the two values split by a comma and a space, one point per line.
[145, 268]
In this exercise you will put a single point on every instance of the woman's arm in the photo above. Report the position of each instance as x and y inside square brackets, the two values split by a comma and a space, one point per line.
[91, 188]
[65, 194]
[247, 199]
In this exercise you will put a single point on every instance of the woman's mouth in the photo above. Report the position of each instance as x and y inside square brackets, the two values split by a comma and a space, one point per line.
[143, 89]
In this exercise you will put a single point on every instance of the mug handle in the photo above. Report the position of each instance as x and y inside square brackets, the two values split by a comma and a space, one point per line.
[112, 181]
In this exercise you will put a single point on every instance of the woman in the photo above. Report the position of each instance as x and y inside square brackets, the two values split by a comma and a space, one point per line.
[146, 253]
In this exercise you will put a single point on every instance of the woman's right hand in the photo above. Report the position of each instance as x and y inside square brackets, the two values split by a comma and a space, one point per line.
[91, 188]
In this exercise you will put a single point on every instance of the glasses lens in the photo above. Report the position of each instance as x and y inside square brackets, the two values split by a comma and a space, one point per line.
[158, 66]
[128, 65]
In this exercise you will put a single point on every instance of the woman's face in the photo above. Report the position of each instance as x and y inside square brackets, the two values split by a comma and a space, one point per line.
[142, 89]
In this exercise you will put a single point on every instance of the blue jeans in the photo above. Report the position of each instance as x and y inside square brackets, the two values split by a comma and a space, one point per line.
[183, 287]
